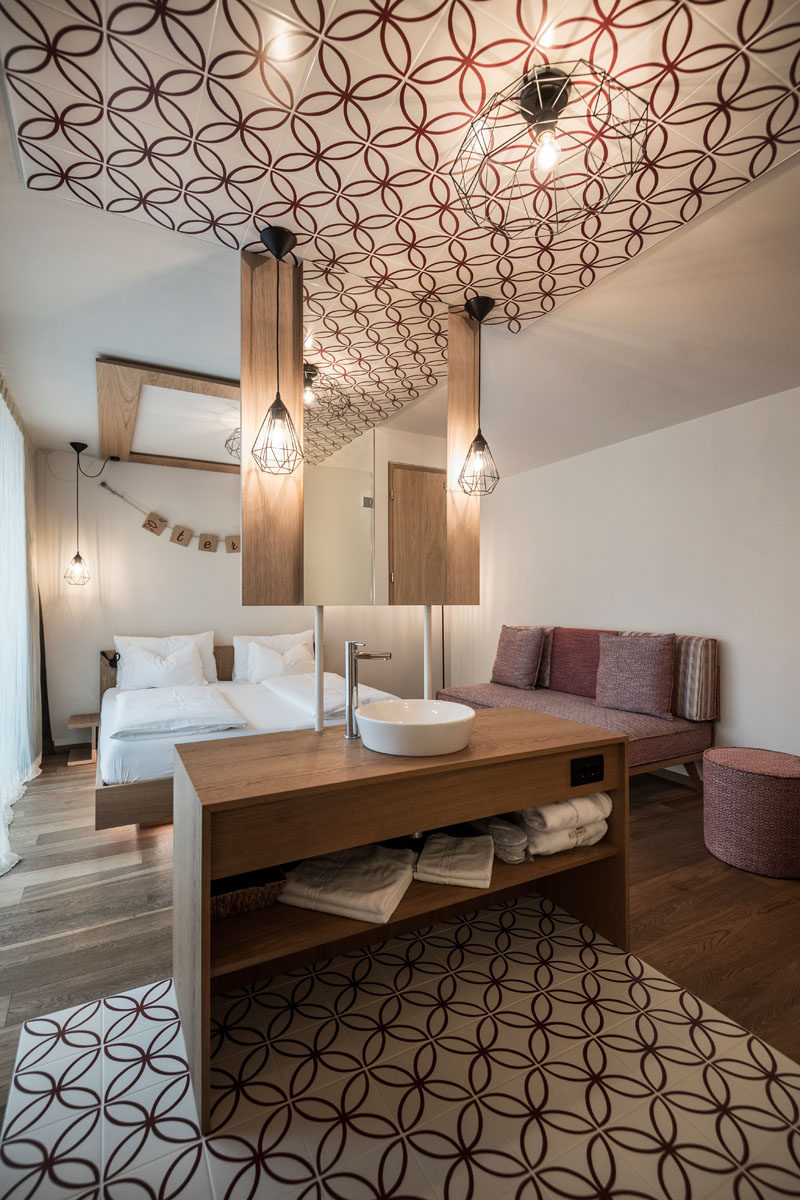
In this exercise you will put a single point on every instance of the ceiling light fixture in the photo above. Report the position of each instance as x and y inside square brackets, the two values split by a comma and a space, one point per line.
[310, 373]
[479, 476]
[233, 443]
[277, 447]
[554, 147]
[77, 573]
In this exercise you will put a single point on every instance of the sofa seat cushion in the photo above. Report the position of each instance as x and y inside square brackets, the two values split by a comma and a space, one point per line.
[651, 738]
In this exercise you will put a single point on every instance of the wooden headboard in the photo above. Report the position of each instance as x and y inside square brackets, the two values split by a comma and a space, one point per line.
[108, 673]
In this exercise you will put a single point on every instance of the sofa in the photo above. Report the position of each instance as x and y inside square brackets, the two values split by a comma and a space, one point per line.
[565, 686]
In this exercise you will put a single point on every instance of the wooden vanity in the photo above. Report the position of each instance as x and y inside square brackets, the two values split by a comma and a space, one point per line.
[245, 803]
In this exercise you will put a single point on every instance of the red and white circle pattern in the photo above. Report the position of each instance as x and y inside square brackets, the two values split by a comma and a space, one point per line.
[340, 120]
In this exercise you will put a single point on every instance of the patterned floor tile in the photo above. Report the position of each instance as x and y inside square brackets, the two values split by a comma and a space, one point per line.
[63, 1034]
[54, 1162]
[54, 1092]
[146, 1126]
[511, 1054]
[142, 1058]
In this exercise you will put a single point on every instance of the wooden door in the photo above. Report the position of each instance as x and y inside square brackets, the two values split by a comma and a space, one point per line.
[417, 534]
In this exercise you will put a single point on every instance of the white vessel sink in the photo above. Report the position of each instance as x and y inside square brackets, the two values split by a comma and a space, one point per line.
[415, 728]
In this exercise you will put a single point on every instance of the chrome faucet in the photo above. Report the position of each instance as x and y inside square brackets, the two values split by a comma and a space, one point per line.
[352, 654]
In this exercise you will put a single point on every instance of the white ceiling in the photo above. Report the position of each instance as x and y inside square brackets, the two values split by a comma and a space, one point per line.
[703, 321]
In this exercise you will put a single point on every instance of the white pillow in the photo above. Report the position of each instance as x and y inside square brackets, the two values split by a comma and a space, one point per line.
[265, 663]
[164, 646]
[144, 669]
[281, 642]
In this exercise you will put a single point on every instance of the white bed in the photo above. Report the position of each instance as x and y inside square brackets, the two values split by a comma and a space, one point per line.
[133, 761]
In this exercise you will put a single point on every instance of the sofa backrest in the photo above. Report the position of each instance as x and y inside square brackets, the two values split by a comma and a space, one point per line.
[575, 654]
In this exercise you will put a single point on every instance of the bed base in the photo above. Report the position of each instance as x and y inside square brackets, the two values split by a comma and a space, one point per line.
[148, 802]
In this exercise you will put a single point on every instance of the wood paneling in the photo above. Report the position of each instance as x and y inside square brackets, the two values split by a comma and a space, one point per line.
[417, 534]
[118, 388]
[119, 383]
[190, 942]
[272, 505]
[187, 464]
[463, 512]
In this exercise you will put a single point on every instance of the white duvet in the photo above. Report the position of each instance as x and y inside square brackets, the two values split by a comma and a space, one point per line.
[164, 711]
[299, 690]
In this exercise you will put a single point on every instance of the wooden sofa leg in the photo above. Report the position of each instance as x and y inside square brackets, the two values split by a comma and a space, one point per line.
[694, 776]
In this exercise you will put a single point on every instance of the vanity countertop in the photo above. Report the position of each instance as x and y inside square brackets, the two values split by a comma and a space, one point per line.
[273, 766]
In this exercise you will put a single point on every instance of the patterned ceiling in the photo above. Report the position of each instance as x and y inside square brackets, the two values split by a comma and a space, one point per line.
[341, 119]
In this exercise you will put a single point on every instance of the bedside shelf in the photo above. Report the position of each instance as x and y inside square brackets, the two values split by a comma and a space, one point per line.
[281, 937]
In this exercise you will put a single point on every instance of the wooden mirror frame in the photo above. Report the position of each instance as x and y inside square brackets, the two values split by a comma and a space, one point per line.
[119, 386]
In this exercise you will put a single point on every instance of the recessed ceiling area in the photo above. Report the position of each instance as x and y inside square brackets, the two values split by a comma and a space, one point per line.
[198, 424]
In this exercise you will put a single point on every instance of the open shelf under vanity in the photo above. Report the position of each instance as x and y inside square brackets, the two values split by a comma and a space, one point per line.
[281, 938]
[243, 804]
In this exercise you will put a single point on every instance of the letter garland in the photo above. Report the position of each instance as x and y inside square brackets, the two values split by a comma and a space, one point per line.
[181, 535]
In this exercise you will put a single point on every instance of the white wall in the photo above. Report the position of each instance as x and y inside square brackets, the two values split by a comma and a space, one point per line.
[143, 584]
[692, 529]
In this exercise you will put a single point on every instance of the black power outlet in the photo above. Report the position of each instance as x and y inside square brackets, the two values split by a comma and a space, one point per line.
[586, 770]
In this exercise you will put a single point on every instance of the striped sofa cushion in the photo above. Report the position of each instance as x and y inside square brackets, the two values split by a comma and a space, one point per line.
[695, 676]
[695, 681]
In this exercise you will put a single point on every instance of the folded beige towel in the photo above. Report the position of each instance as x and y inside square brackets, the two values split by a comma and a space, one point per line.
[366, 883]
[568, 814]
[510, 840]
[461, 862]
[553, 841]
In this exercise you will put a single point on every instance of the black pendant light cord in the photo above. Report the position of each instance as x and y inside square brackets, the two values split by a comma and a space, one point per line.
[77, 503]
[277, 328]
[97, 474]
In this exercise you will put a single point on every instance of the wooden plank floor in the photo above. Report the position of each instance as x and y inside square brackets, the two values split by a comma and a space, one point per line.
[87, 913]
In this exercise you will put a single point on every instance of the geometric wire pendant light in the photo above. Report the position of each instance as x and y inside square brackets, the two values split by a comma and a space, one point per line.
[552, 148]
[77, 573]
[233, 443]
[323, 393]
[277, 447]
[479, 476]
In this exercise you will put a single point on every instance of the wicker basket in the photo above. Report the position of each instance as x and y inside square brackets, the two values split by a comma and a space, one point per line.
[245, 893]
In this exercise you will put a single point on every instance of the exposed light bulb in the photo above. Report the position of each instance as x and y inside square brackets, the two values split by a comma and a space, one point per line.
[479, 475]
[308, 396]
[277, 446]
[77, 573]
[548, 152]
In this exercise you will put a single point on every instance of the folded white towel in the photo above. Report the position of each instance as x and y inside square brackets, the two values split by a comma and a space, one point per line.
[366, 883]
[299, 690]
[461, 862]
[510, 840]
[552, 842]
[568, 814]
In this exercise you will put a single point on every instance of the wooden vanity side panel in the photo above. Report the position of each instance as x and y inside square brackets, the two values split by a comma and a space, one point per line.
[599, 893]
[277, 831]
[191, 932]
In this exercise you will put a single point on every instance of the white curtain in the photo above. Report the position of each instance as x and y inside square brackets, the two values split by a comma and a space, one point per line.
[20, 707]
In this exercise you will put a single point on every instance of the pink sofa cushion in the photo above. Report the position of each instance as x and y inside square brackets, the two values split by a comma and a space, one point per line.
[651, 739]
[519, 652]
[574, 659]
[635, 673]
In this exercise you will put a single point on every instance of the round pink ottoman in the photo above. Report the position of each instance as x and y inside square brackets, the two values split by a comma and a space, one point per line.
[751, 809]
